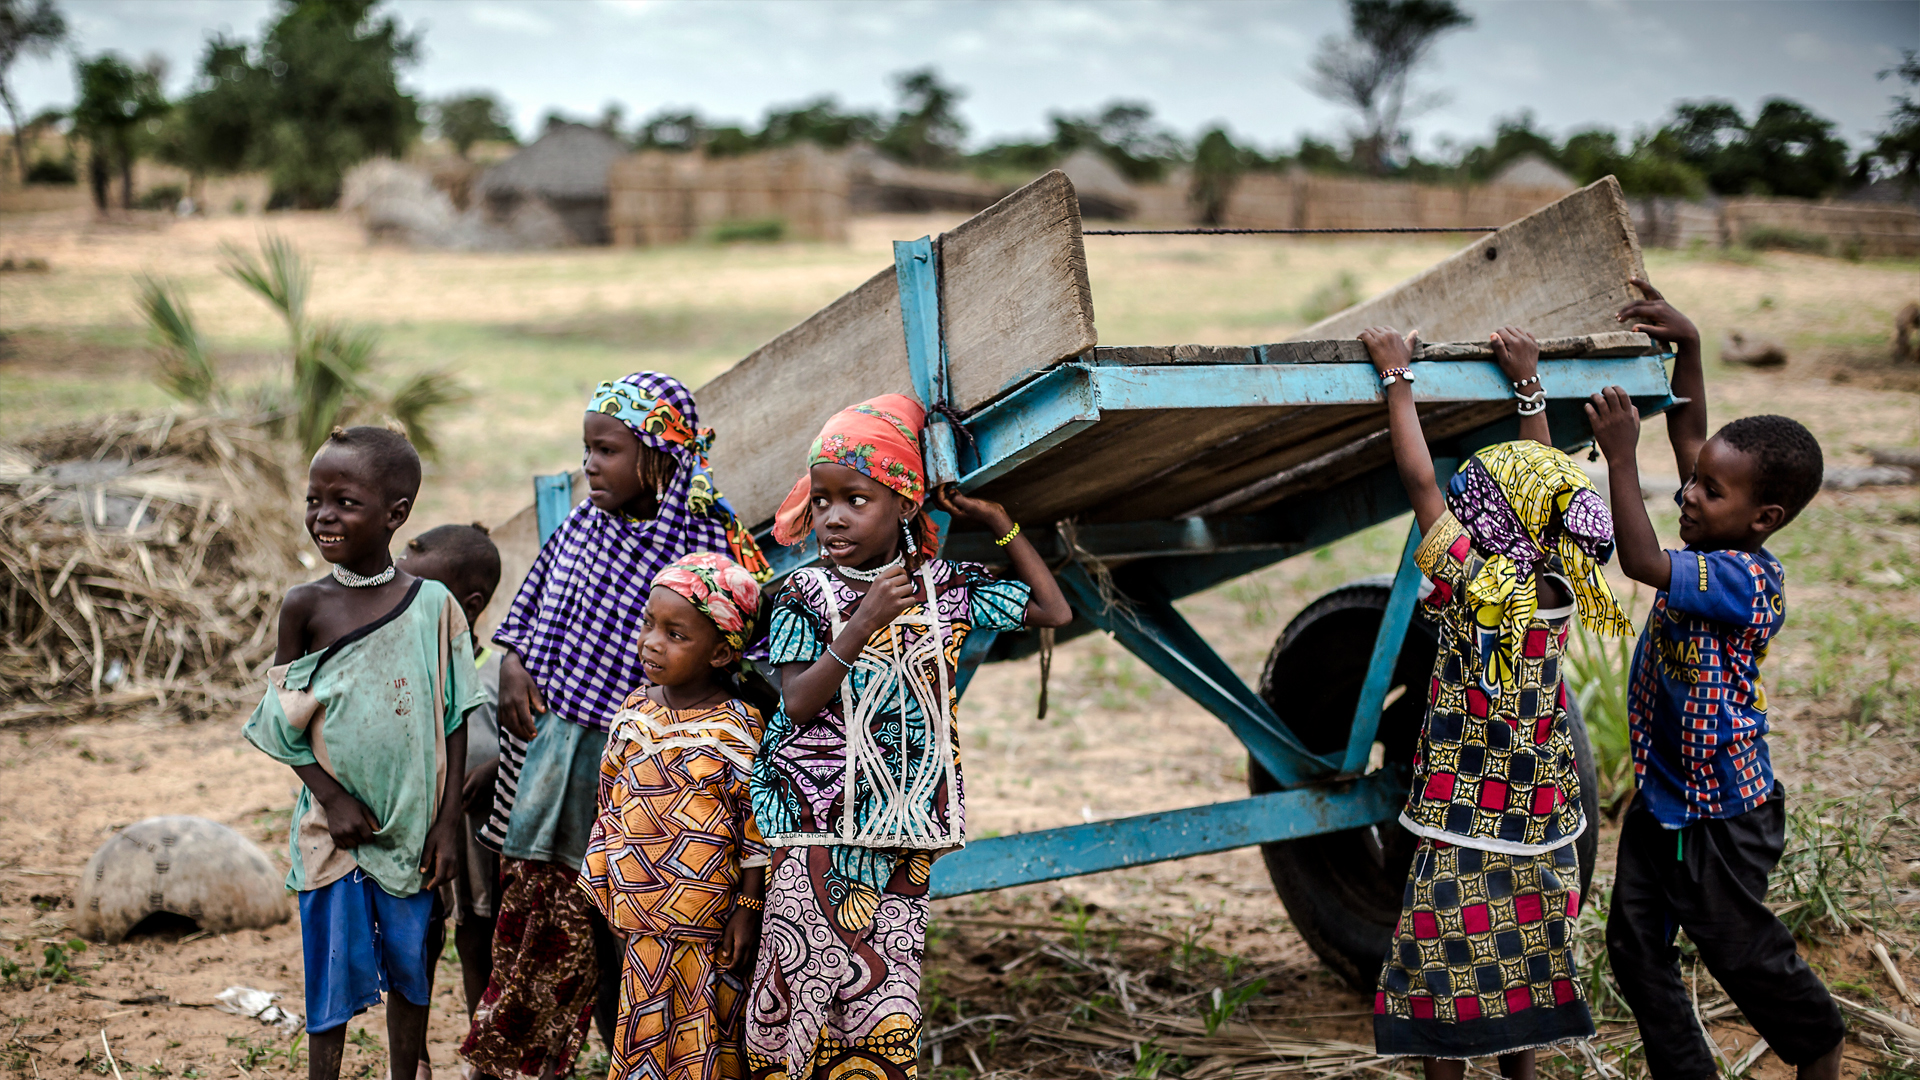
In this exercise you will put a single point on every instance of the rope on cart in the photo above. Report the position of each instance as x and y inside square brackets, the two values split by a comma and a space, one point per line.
[1291, 232]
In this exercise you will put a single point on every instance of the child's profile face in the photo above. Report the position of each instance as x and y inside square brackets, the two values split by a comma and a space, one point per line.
[611, 462]
[678, 645]
[855, 518]
[350, 516]
[1718, 509]
[423, 562]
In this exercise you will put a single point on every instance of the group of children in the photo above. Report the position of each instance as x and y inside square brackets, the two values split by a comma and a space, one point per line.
[624, 837]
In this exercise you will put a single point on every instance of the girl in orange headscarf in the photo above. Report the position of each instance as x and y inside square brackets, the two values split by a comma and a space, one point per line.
[857, 787]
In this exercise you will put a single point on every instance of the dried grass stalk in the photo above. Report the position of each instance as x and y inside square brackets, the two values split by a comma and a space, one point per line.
[142, 557]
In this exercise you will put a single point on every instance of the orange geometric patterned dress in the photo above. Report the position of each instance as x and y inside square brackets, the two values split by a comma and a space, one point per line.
[674, 830]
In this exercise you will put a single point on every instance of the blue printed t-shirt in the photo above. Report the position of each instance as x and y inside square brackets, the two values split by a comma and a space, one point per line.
[1696, 704]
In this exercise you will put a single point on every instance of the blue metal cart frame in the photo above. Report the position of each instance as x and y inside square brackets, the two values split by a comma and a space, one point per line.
[1167, 560]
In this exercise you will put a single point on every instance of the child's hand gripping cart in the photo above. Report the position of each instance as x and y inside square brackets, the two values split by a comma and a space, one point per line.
[1172, 470]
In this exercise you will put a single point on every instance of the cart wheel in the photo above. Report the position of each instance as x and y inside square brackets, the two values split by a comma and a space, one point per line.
[1343, 889]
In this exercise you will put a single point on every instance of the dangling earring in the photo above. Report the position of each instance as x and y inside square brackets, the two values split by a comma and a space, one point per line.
[907, 553]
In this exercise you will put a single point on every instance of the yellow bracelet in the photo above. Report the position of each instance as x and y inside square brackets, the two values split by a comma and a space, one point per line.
[751, 903]
[1011, 533]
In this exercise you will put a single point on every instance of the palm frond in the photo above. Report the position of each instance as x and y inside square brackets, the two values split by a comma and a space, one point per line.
[414, 402]
[186, 372]
[327, 379]
[280, 276]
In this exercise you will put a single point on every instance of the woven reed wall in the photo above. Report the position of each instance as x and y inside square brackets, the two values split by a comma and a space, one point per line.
[656, 197]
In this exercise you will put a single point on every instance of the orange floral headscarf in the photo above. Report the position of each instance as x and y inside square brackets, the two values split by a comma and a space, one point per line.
[878, 438]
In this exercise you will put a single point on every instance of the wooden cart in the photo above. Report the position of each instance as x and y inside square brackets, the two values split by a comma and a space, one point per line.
[1150, 474]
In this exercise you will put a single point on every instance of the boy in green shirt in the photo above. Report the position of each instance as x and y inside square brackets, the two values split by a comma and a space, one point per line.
[367, 702]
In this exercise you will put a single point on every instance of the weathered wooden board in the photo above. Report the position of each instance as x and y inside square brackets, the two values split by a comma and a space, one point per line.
[1015, 301]
[518, 539]
[1559, 272]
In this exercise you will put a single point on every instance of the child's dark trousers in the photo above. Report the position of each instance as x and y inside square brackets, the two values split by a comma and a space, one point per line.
[1710, 879]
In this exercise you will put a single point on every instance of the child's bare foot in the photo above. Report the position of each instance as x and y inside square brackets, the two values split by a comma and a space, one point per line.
[423, 1071]
[1826, 1066]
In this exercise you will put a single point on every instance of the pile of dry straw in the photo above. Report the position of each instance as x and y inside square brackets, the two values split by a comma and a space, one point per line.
[142, 558]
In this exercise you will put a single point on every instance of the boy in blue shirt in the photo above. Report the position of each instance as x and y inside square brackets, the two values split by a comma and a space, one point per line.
[1708, 822]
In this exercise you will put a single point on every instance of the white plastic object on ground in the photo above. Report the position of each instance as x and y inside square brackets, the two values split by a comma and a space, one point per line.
[257, 1004]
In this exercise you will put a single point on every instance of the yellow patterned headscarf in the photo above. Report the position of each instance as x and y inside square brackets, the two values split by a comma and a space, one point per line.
[1524, 502]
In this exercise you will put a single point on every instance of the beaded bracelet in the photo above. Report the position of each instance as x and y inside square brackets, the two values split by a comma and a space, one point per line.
[1524, 383]
[836, 656]
[1011, 533]
[751, 903]
[1531, 404]
[1392, 375]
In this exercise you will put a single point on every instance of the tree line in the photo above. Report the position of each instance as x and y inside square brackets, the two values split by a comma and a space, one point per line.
[320, 91]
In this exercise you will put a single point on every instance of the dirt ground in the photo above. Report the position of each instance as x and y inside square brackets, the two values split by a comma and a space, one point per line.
[535, 330]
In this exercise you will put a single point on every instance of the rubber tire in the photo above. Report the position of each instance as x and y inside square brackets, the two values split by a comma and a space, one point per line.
[1342, 890]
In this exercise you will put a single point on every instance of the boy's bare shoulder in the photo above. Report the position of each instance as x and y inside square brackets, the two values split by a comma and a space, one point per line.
[302, 601]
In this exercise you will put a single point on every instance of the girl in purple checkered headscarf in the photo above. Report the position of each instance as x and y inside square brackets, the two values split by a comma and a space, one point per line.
[570, 662]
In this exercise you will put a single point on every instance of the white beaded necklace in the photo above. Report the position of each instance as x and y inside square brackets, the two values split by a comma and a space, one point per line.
[873, 574]
[354, 581]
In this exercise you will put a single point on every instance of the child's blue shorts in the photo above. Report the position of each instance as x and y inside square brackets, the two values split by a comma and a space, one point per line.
[360, 941]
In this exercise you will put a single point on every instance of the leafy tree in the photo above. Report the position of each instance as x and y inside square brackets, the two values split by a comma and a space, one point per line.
[1787, 150]
[670, 129]
[465, 119]
[1369, 70]
[1512, 138]
[115, 99]
[1321, 157]
[1123, 132]
[26, 29]
[1653, 165]
[1897, 149]
[1703, 130]
[318, 94]
[1217, 165]
[927, 130]
[819, 121]
[44, 170]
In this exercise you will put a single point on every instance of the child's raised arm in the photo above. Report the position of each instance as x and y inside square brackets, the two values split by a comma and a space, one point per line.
[1392, 353]
[1616, 430]
[1519, 358]
[1687, 423]
[1047, 605]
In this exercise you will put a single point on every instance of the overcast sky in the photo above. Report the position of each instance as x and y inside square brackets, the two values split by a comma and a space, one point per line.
[1573, 62]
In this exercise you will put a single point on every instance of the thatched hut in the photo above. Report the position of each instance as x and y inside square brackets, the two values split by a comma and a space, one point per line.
[1530, 170]
[1103, 190]
[566, 169]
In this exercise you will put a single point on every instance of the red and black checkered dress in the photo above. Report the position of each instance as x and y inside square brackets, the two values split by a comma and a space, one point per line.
[1482, 960]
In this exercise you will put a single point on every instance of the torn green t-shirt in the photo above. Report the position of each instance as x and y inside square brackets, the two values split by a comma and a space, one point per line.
[374, 710]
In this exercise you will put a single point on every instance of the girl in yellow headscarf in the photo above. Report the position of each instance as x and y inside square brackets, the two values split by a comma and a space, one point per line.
[1481, 962]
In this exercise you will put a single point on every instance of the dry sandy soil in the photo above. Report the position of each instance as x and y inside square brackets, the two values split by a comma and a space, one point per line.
[535, 330]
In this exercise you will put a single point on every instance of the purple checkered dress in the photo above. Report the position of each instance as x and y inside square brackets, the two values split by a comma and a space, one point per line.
[576, 617]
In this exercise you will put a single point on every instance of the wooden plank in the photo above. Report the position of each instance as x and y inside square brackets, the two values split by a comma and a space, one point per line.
[518, 539]
[1015, 301]
[1561, 271]
[1350, 351]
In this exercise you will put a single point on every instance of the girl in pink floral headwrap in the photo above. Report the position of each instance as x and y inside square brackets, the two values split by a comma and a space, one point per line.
[675, 862]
